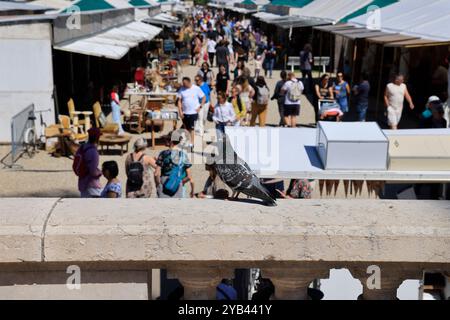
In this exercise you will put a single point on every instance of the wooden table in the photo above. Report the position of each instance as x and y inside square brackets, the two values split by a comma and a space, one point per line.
[174, 122]
[146, 94]
[114, 140]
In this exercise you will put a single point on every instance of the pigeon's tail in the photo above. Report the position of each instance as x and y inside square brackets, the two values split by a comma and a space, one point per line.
[260, 192]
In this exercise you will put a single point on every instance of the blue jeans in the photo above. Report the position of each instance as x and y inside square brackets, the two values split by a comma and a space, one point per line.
[269, 67]
[362, 111]
[220, 126]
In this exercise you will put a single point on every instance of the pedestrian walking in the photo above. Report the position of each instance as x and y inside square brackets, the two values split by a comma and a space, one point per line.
[306, 64]
[116, 110]
[223, 113]
[113, 188]
[207, 74]
[270, 56]
[138, 167]
[279, 96]
[361, 93]
[341, 91]
[85, 166]
[292, 90]
[394, 98]
[200, 124]
[262, 102]
[211, 47]
[222, 80]
[190, 100]
[173, 170]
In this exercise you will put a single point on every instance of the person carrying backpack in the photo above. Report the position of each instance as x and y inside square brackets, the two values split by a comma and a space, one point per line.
[262, 98]
[173, 170]
[138, 167]
[85, 166]
[293, 90]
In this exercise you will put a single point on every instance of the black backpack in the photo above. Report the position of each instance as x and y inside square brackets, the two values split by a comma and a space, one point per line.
[136, 174]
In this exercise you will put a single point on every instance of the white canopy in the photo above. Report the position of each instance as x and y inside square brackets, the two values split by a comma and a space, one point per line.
[331, 10]
[266, 16]
[53, 4]
[113, 43]
[414, 18]
[320, 12]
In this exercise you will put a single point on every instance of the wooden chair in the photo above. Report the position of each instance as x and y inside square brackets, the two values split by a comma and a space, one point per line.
[106, 128]
[74, 116]
[68, 128]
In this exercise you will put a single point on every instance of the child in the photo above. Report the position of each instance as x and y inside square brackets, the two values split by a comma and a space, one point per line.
[214, 187]
[113, 188]
[258, 65]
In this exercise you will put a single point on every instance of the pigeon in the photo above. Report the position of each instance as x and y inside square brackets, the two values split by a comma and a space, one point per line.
[237, 175]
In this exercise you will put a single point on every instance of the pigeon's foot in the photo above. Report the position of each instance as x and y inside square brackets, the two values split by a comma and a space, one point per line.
[270, 203]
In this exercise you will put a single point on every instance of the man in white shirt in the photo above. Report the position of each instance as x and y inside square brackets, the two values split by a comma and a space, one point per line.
[190, 100]
[211, 46]
[292, 90]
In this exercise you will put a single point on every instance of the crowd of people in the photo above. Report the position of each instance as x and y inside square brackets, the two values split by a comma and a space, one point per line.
[242, 96]
[236, 96]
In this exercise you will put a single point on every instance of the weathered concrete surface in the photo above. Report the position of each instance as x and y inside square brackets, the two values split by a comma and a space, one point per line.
[195, 230]
[206, 230]
[116, 243]
[21, 228]
[125, 285]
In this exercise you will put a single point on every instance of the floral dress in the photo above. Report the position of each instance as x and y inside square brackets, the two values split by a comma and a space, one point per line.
[300, 189]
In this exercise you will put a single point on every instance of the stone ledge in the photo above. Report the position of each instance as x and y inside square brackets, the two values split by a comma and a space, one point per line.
[21, 228]
[159, 230]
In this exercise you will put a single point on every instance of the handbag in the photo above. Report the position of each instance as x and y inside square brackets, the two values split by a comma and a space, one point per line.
[210, 114]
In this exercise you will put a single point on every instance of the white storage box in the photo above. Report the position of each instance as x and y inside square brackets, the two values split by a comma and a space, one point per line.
[352, 146]
[419, 150]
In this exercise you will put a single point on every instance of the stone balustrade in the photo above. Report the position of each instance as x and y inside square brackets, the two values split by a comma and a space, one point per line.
[117, 243]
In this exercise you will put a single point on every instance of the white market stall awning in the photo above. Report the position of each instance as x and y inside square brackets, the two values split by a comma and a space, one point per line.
[113, 43]
[164, 19]
[331, 10]
[242, 10]
[55, 5]
[320, 12]
[413, 18]
[287, 22]
[266, 16]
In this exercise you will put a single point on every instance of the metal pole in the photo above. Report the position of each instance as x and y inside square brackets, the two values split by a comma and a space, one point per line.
[355, 53]
[380, 76]
[320, 51]
[71, 75]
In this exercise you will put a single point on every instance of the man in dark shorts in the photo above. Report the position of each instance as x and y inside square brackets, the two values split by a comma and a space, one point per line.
[190, 100]
[292, 89]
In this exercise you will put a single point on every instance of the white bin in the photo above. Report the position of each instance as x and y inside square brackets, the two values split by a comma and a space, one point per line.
[352, 146]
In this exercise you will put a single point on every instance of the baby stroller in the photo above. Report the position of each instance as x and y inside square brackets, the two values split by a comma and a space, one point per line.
[329, 110]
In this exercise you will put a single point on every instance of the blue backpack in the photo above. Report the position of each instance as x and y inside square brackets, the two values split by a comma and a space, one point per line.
[172, 184]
